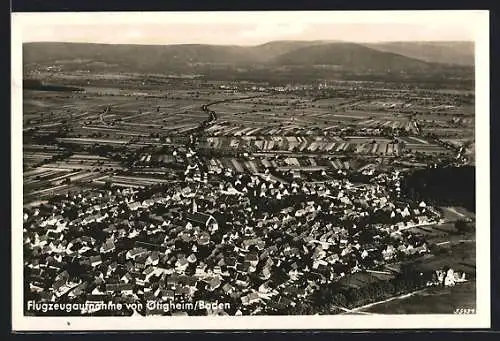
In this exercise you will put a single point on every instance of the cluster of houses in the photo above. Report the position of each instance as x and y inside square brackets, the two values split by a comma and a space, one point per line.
[448, 277]
[260, 244]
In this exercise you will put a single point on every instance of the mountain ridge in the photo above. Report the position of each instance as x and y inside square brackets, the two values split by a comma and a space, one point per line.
[146, 58]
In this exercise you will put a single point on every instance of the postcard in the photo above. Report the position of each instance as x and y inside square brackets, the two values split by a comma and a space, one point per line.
[293, 170]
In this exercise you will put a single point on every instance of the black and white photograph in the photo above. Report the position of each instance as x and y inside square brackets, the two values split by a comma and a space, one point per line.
[248, 170]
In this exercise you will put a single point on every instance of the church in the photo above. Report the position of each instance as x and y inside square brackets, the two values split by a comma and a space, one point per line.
[202, 219]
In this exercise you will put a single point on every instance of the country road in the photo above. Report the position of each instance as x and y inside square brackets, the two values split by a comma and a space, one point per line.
[358, 310]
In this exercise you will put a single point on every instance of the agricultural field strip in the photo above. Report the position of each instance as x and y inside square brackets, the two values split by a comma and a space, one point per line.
[90, 140]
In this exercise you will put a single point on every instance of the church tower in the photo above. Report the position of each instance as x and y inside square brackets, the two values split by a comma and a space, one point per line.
[195, 207]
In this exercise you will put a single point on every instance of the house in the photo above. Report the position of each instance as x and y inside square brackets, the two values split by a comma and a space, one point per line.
[217, 270]
[203, 239]
[112, 267]
[242, 280]
[200, 269]
[245, 300]
[264, 288]
[389, 252]
[167, 295]
[108, 246]
[451, 277]
[249, 242]
[228, 288]
[243, 267]
[172, 281]
[460, 276]
[58, 285]
[213, 284]
[135, 252]
[266, 270]
[123, 288]
[153, 258]
[129, 266]
[148, 272]
[187, 291]
[63, 275]
[250, 298]
[189, 281]
[252, 258]
[181, 264]
[134, 206]
[192, 258]
[126, 278]
[95, 260]
[140, 261]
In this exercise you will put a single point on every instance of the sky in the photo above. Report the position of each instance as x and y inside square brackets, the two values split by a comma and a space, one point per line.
[247, 28]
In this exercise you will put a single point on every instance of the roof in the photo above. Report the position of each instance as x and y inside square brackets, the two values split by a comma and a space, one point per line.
[253, 296]
[119, 287]
[203, 238]
[252, 257]
[148, 270]
[95, 258]
[109, 245]
[137, 250]
[199, 218]
[227, 287]
[214, 283]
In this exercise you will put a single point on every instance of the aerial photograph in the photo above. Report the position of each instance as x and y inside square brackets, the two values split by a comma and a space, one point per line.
[243, 168]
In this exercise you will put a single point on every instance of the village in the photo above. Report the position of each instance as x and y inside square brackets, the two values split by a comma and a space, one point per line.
[254, 242]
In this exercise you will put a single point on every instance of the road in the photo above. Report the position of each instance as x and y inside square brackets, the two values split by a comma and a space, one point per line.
[359, 310]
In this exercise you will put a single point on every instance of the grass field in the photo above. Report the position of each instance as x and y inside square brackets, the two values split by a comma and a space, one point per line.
[435, 300]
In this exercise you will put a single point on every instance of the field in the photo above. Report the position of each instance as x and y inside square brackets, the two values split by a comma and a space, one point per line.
[459, 255]
[79, 139]
[320, 145]
[361, 279]
[456, 213]
[435, 300]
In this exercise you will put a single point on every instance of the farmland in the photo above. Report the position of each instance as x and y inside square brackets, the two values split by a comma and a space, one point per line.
[85, 137]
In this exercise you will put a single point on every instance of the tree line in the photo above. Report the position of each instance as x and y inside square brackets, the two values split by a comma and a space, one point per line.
[333, 298]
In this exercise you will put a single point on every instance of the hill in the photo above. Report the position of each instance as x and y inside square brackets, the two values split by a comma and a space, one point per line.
[349, 55]
[454, 52]
[138, 56]
[274, 49]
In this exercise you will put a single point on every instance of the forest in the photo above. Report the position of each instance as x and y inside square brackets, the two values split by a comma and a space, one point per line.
[448, 186]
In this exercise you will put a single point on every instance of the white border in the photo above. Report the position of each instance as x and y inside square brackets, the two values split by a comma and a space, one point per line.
[479, 20]
[471, 17]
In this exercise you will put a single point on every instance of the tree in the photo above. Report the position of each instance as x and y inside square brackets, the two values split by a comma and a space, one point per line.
[462, 226]
[339, 300]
